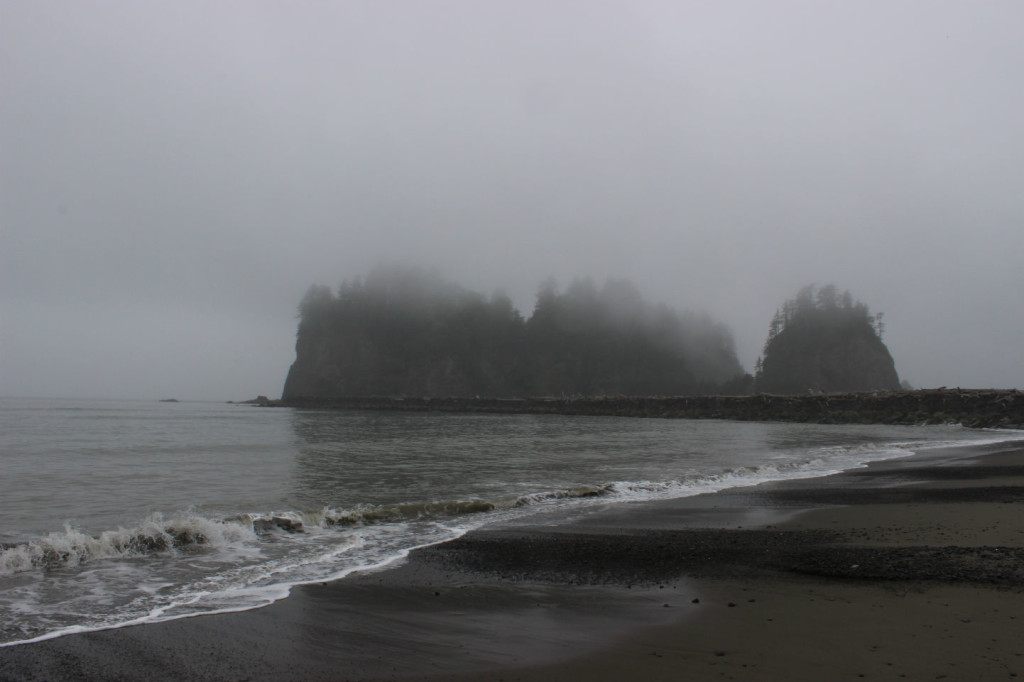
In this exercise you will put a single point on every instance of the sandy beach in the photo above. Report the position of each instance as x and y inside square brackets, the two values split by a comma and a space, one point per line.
[908, 569]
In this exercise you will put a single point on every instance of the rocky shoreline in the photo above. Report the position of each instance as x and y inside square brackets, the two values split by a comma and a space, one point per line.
[970, 407]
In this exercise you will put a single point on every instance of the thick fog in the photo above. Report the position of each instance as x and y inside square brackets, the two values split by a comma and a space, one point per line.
[176, 175]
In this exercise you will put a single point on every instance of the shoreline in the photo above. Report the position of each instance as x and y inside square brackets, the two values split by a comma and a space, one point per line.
[972, 408]
[838, 560]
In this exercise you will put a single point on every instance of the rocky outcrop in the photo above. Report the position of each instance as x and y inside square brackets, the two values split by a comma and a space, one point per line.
[825, 344]
[973, 408]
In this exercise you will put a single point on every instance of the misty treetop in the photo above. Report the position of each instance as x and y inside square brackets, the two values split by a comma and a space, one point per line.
[409, 332]
[824, 340]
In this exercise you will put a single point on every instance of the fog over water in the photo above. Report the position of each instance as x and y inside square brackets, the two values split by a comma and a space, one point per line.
[174, 176]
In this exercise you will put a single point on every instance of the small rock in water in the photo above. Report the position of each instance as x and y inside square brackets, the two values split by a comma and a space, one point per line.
[288, 524]
[285, 524]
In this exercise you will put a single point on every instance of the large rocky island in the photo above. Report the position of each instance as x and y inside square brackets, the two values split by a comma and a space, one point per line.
[404, 332]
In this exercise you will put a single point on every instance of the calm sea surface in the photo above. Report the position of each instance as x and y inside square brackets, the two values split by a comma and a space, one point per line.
[118, 512]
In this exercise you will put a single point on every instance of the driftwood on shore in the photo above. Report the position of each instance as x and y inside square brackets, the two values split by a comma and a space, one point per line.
[973, 408]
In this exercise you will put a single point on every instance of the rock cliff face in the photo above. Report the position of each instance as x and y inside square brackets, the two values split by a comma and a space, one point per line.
[333, 365]
[829, 345]
[838, 360]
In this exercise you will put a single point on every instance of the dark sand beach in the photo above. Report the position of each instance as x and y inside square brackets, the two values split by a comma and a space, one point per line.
[909, 569]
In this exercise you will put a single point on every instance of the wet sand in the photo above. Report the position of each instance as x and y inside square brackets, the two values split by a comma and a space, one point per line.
[912, 569]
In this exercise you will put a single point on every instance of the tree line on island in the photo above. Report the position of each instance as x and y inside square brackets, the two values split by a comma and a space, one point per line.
[408, 332]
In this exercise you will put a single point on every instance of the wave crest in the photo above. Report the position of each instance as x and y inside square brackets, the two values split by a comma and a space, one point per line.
[71, 547]
[369, 514]
[577, 492]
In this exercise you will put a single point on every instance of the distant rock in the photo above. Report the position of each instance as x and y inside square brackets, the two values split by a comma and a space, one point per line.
[261, 400]
[170, 400]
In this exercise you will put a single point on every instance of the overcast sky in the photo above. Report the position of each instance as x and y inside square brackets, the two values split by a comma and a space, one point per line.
[176, 174]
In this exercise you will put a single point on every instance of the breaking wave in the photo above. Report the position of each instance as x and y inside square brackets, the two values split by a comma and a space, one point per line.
[578, 492]
[394, 513]
[373, 514]
[71, 547]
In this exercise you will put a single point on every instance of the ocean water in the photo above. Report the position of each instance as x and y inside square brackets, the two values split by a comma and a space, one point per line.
[115, 512]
